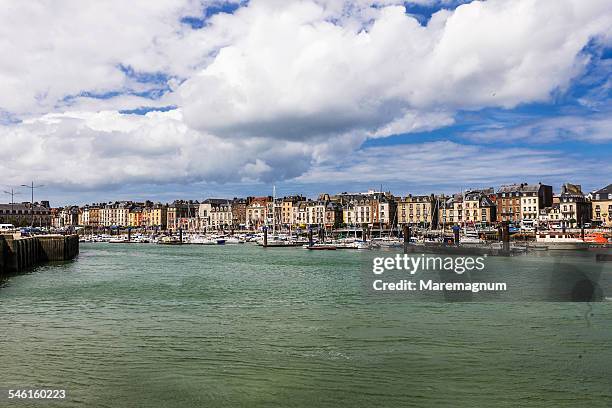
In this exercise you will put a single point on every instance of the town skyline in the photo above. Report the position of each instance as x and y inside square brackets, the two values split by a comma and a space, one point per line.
[526, 204]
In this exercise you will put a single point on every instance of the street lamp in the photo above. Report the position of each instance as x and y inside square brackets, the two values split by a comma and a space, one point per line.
[32, 187]
[12, 194]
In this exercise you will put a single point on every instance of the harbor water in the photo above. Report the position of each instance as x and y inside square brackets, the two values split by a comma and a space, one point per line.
[137, 325]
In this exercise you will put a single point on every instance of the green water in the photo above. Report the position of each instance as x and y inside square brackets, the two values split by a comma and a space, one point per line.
[240, 326]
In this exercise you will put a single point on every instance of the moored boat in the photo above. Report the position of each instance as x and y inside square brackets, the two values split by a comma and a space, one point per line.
[555, 240]
[321, 247]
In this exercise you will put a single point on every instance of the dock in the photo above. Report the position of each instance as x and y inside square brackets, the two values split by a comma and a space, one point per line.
[19, 254]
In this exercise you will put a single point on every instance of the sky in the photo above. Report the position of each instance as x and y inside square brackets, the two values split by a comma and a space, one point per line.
[189, 99]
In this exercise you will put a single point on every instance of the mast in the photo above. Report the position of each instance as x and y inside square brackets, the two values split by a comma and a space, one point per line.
[273, 209]
[443, 217]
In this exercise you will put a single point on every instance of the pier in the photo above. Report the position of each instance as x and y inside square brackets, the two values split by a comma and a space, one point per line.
[19, 254]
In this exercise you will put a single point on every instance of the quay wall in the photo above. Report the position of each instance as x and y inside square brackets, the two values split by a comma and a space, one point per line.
[19, 254]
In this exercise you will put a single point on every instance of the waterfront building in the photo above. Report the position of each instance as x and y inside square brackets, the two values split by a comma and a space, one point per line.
[554, 217]
[56, 219]
[418, 210]
[446, 210]
[348, 214]
[543, 216]
[345, 198]
[471, 208]
[204, 210]
[115, 214]
[276, 212]
[301, 214]
[20, 214]
[384, 210]
[601, 205]
[509, 203]
[94, 215]
[155, 215]
[333, 215]
[89, 216]
[478, 209]
[83, 217]
[215, 213]
[69, 216]
[257, 212]
[574, 206]
[363, 208]
[183, 214]
[135, 217]
[289, 207]
[239, 212]
[315, 213]
[522, 202]
[220, 214]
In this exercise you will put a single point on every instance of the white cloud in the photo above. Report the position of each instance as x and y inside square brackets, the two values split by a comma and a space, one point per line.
[54, 49]
[270, 91]
[109, 149]
[415, 121]
[592, 128]
[295, 73]
[446, 163]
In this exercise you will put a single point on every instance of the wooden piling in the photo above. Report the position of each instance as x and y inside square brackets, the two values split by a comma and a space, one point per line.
[265, 242]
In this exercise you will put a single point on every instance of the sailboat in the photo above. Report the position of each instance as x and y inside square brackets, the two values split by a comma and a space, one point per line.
[277, 240]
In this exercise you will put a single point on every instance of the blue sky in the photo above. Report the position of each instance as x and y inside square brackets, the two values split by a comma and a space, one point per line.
[229, 98]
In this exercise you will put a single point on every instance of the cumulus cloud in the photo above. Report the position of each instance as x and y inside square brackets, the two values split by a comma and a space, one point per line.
[55, 52]
[107, 149]
[276, 90]
[296, 72]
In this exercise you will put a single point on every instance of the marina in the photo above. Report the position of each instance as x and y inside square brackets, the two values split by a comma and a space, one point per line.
[467, 241]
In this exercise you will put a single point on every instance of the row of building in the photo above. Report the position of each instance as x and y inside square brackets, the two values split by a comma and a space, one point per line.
[525, 205]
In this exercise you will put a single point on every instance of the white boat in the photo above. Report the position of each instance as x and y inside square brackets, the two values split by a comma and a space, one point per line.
[387, 242]
[352, 245]
[279, 241]
[471, 237]
[169, 240]
[202, 240]
[231, 240]
[470, 241]
[560, 240]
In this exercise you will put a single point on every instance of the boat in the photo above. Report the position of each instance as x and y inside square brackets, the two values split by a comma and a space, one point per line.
[169, 240]
[387, 242]
[352, 245]
[279, 241]
[202, 240]
[275, 239]
[595, 238]
[321, 247]
[560, 241]
[471, 237]
[231, 240]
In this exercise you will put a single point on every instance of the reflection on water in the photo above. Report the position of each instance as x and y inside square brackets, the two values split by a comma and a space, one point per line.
[155, 326]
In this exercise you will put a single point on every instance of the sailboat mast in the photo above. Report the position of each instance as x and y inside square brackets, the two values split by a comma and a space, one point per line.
[444, 216]
[274, 210]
